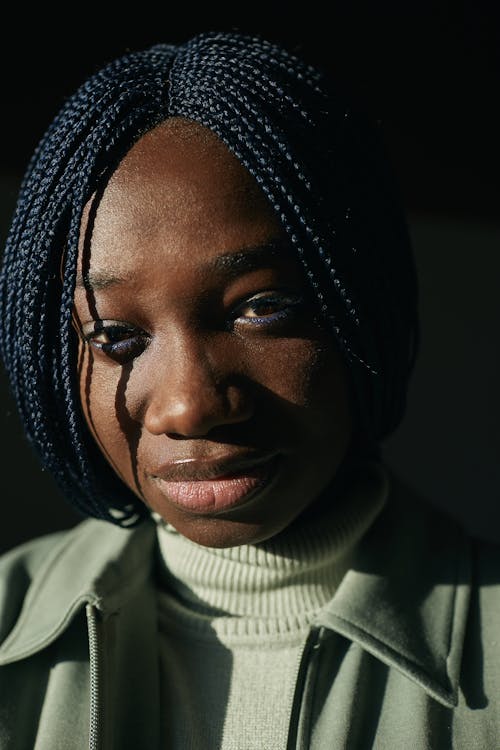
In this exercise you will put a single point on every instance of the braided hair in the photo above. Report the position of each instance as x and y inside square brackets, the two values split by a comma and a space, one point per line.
[321, 166]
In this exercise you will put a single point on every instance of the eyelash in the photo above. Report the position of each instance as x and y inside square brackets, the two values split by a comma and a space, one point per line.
[288, 304]
[123, 349]
[128, 348]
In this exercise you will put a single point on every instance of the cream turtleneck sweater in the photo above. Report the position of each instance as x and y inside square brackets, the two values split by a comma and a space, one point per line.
[233, 622]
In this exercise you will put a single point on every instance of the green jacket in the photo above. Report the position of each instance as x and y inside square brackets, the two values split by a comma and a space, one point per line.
[406, 656]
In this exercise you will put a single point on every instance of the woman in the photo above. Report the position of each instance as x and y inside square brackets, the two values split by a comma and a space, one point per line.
[209, 322]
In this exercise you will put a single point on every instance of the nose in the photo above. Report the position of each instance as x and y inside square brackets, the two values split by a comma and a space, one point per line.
[195, 391]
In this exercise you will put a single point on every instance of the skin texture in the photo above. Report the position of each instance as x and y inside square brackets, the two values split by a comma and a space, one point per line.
[212, 361]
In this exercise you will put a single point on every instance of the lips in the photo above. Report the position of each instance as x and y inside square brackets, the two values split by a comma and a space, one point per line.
[212, 487]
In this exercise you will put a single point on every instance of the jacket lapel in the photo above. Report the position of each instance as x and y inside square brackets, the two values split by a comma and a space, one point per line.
[406, 596]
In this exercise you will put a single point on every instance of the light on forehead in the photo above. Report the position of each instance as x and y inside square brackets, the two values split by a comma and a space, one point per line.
[231, 264]
[97, 280]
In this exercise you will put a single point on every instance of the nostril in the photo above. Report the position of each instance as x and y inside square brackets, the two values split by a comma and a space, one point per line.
[177, 436]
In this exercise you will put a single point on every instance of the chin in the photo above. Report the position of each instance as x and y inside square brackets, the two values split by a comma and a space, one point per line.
[223, 533]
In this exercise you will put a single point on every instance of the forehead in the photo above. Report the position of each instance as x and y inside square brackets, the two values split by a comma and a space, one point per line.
[178, 187]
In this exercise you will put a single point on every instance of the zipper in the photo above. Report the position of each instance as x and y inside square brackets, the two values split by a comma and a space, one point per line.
[300, 717]
[95, 679]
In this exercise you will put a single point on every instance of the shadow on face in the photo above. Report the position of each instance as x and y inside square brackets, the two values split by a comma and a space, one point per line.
[207, 380]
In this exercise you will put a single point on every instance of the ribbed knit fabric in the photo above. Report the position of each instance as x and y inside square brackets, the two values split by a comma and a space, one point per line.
[233, 622]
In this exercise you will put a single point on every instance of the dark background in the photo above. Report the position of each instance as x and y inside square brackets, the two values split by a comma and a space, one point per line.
[430, 74]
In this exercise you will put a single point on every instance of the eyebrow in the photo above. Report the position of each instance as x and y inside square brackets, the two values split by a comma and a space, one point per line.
[250, 258]
[232, 264]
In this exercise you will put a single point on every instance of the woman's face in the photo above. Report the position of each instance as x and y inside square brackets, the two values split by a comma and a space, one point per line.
[205, 378]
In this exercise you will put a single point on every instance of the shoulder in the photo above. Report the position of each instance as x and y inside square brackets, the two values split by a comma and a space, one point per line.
[46, 582]
[414, 523]
[24, 564]
[24, 561]
[28, 555]
[95, 561]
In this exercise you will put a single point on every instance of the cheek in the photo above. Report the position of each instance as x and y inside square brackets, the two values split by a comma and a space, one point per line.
[284, 367]
[309, 379]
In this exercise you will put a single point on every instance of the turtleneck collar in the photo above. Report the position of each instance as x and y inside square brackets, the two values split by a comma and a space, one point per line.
[288, 578]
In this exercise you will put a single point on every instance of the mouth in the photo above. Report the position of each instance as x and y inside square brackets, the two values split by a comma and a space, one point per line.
[202, 487]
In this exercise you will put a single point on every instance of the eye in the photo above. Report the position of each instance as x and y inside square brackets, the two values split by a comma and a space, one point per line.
[268, 308]
[120, 341]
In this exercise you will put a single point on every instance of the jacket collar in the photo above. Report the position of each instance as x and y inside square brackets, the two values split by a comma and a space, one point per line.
[404, 599]
[406, 596]
[94, 563]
